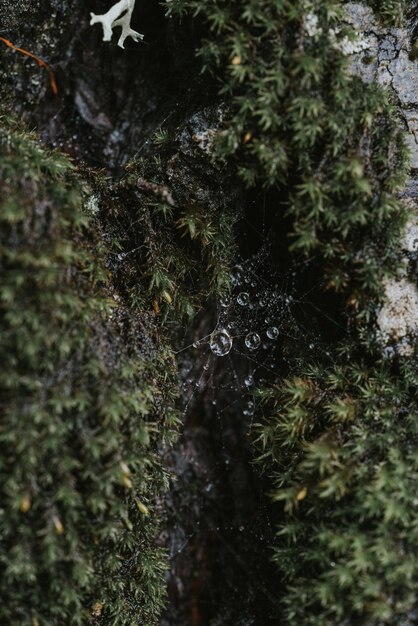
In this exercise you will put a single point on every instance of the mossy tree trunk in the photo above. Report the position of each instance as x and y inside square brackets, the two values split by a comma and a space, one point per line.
[286, 158]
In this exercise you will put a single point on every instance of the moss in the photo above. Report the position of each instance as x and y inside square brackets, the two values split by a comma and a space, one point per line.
[338, 436]
[392, 12]
[87, 382]
[170, 225]
[86, 399]
[300, 124]
[341, 440]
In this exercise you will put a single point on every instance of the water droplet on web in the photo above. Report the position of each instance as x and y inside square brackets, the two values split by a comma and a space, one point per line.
[243, 298]
[249, 381]
[236, 276]
[220, 342]
[252, 341]
[272, 332]
[196, 344]
[206, 367]
[249, 409]
[232, 326]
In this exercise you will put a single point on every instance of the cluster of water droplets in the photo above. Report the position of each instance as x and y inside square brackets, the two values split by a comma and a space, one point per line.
[252, 323]
[262, 331]
[250, 316]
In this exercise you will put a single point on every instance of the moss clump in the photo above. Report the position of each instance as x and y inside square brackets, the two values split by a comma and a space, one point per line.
[392, 12]
[341, 440]
[170, 222]
[299, 124]
[86, 399]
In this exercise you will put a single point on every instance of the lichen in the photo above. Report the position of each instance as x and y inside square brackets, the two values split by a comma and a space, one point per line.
[398, 317]
[119, 15]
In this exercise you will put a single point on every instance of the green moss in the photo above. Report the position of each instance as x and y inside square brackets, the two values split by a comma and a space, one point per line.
[392, 12]
[338, 438]
[341, 441]
[86, 399]
[172, 231]
[300, 124]
[87, 385]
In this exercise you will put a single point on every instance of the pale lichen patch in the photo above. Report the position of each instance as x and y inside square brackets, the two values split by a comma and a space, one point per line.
[398, 317]
[119, 15]
[410, 236]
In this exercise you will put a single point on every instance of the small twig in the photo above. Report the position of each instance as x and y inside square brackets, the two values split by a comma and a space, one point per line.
[38, 60]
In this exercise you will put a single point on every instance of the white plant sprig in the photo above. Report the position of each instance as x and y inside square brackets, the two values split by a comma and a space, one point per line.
[119, 15]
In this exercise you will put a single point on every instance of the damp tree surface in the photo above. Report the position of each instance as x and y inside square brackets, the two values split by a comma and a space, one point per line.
[209, 312]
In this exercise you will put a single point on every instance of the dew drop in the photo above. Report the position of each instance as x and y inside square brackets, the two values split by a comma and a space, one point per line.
[236, 276]
[243, 298]
[220, 342]
[232, 326]
[272, 332]
[252, 341]
[249, 381]
[249, 409]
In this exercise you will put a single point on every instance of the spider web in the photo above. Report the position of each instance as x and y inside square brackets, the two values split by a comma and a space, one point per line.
[221, 521]
[264, 328]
